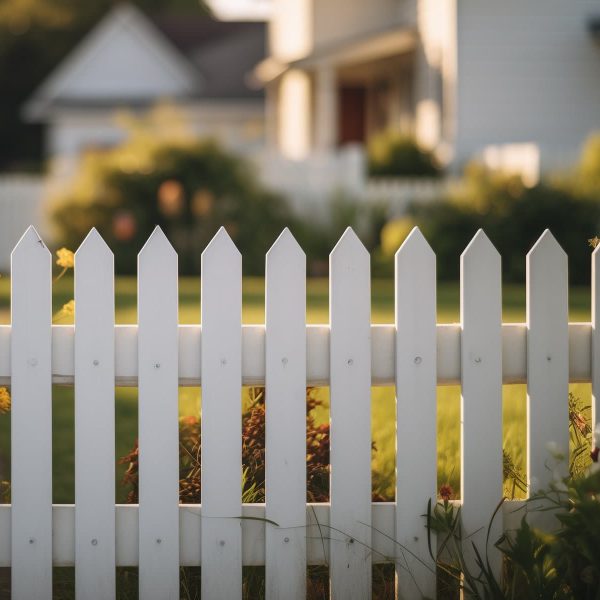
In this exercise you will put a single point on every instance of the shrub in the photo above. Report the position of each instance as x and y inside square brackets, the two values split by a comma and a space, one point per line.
[188, 187]
[395, 155]
[512, 215]
[253, 455]
[562, 564]
[584, 180]
[318, 238]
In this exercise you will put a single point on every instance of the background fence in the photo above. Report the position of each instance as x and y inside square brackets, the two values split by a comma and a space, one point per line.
[349, 354]
[21, 204]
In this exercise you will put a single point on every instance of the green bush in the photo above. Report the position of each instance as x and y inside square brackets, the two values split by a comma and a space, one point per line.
[585, 179]
[395, 155]
[562, 563]
[319, 237]
[512, 215]
[188, 187]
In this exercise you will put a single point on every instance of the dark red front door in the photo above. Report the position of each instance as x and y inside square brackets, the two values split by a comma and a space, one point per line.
[352, 115]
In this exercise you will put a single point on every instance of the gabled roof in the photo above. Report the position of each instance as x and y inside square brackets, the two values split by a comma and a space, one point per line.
[127, 59]
[225, 52]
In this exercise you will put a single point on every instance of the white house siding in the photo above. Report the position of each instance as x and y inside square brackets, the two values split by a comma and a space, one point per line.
[528, 72]
[239, 126]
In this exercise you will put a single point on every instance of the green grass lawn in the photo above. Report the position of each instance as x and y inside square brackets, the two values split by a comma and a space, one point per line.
[383, 411]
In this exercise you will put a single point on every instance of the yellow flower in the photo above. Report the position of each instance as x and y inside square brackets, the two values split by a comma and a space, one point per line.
[68, 309]
[66, 258]
[4, 401]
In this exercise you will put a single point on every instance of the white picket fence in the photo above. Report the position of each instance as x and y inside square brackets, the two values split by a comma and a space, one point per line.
[349, 354]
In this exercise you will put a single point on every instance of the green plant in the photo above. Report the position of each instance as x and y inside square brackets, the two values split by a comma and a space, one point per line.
[584, 179]
[253, 455]
[562, 563]
[318, 237]
[161, 175]
[511, 214]
[393, 154]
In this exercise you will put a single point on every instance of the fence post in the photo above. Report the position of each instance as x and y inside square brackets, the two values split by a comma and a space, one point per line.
[547, 360]
[285, 362]
[31, 419]
[416, 413]
[481, 399]
[158, 364]
[221, 305]
[94, 420]
[596, 339]
[350, 415]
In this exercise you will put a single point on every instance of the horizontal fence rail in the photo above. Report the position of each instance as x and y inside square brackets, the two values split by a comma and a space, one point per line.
[514, 354]
[253, 533]
[349, 354]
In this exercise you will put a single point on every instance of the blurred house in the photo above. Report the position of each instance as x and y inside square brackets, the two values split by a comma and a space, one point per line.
[516, 81]
[129, 61]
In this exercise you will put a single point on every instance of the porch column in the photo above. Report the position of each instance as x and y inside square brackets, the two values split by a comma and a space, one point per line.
[428, 101]
[326, 108]
[294, 115]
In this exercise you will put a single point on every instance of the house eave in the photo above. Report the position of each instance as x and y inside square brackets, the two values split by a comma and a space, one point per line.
[381, 44]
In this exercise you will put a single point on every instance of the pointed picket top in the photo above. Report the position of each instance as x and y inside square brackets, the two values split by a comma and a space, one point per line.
[29, 241]
[285, 244]
[93, 245]
[415, 244]
[480, 248]
[221, 244]
[157, 244]
[547, 246]
[349, 240]
[348, 250]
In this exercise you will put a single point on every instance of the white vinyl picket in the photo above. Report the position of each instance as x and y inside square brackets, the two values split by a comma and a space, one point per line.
[94, 420]
[596, 339]
[285, 444]
[158, 419]
[350, 418]
[547, 359]
[221, 358]
[481, 392]
[31, 419]
[416, 411]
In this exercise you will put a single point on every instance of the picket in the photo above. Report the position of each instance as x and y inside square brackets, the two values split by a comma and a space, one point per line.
[285, 379]
[221, 357]
[350, 418]
[158, 419]
[416, 412]
[547, 360]
[481, 392]
[94, 420]
[31, 419]
[595, 374]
